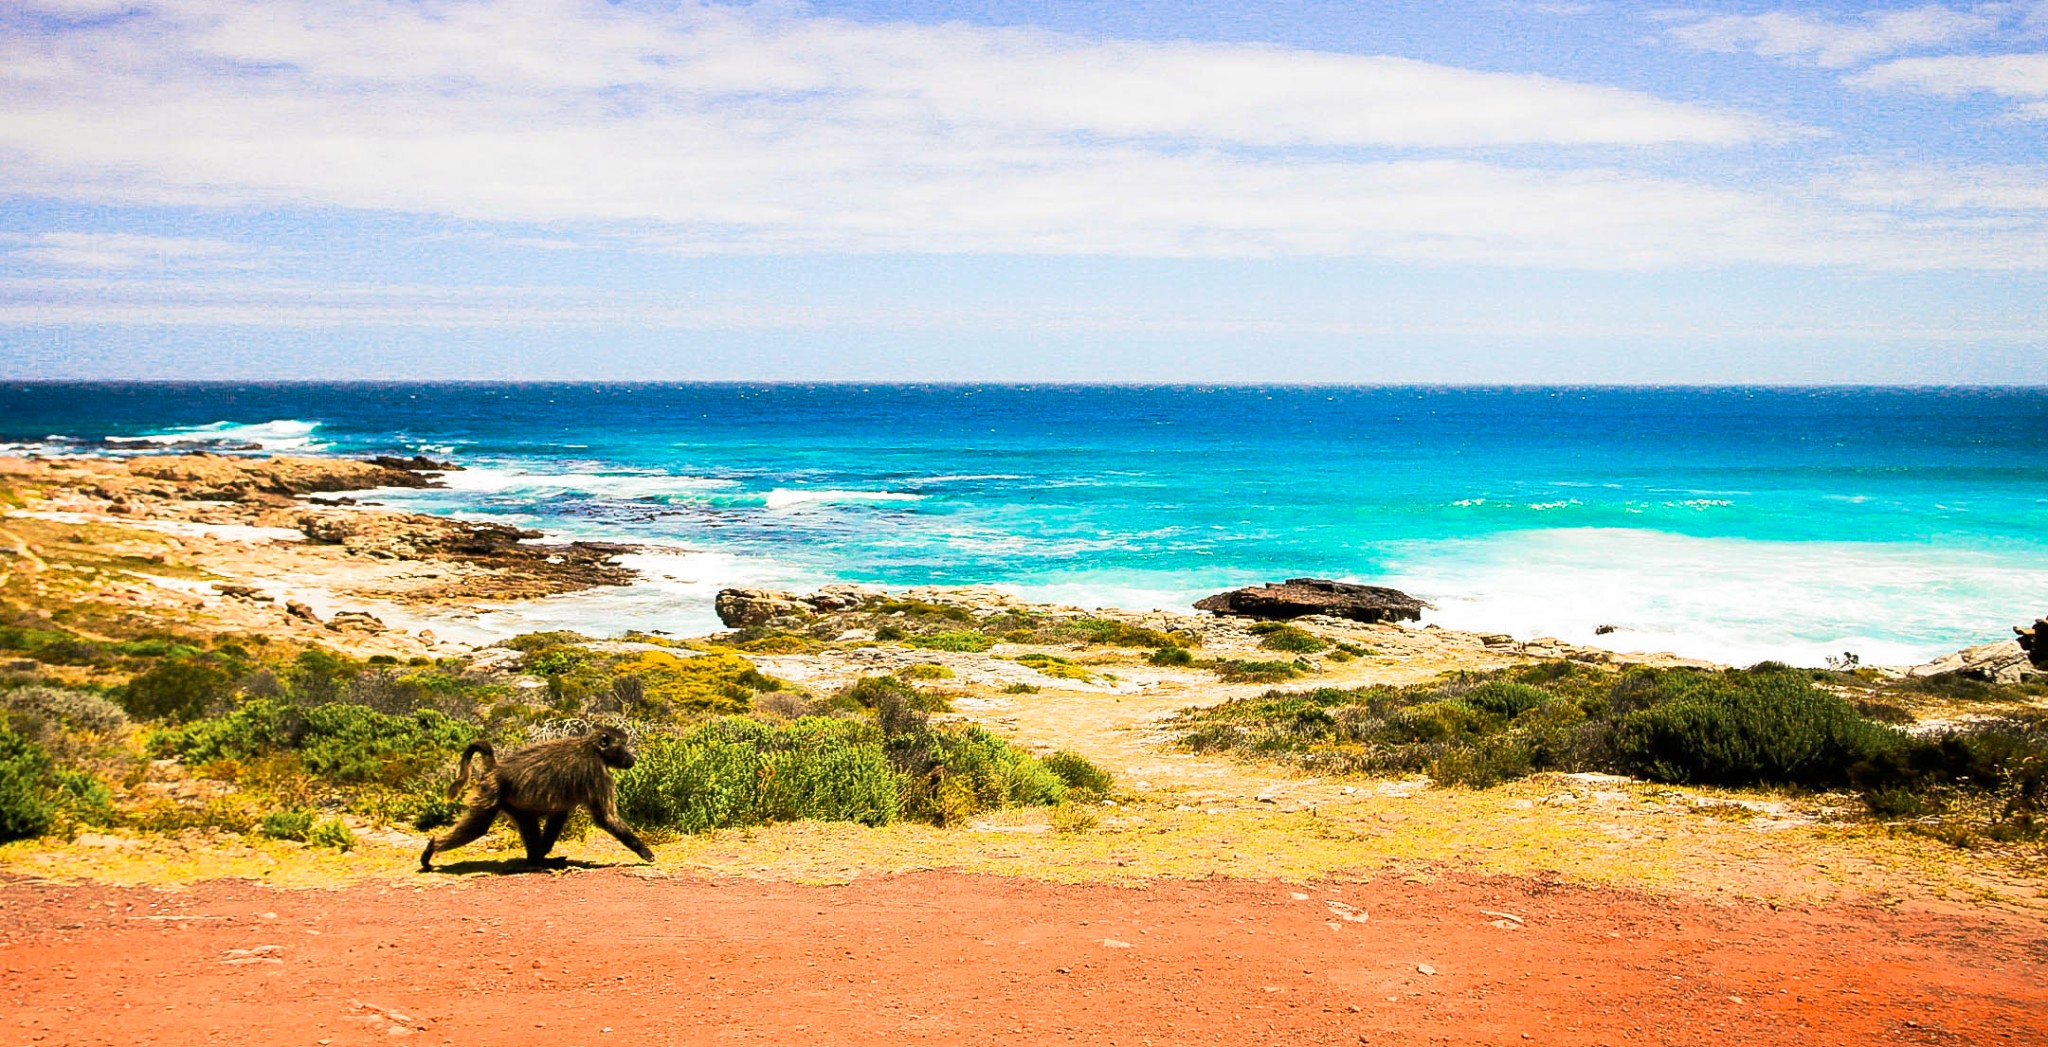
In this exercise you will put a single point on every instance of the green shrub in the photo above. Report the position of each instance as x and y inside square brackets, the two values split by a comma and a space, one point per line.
[1172, 656]
[955, 640]
[928, 671]
[737, 771]
[332, 833]
[317, 677]
[340, 742]
[1761, 726]
[529, 642]
[294, 823]
[556, 660]
[176, 691]
[1294, 640]
[77, 710]
[1116, 634]
[1256, 671]
[999, 774]
[1076, 770]
[925, 609]
[80, 798]
[871, 692]
[1503, 699]
[25, 808]
[1749, 727]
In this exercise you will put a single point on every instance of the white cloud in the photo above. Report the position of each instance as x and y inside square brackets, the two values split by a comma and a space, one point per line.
[123, 251]
[2009, 189]
[2022, 78]
[1806, 38]
[712, 129]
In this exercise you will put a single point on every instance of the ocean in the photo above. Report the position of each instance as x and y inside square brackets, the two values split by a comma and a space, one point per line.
[1732, 524]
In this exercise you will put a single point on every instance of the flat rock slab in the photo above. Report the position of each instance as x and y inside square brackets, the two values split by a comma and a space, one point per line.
[1300, 597]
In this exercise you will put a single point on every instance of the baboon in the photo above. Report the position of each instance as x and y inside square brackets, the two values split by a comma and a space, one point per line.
[546, 780]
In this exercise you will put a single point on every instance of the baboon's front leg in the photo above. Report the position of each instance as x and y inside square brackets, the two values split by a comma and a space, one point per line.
[607, 818]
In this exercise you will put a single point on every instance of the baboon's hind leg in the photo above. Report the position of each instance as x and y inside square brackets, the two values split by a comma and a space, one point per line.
[530, 833]
[550, 831]
[475, 822]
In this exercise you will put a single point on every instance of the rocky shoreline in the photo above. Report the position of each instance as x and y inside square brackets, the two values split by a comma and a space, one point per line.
[228, 543]
[233, 544]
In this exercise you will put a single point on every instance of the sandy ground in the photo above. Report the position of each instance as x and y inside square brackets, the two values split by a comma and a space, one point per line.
[598, 956]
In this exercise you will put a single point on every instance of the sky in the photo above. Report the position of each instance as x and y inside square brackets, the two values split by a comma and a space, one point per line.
[1495, 191]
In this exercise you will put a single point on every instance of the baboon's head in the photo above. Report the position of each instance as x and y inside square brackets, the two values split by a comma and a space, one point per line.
[612, 746]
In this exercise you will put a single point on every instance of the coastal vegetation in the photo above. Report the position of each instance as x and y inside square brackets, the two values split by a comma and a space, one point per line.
[283, 740]
[1766, 726]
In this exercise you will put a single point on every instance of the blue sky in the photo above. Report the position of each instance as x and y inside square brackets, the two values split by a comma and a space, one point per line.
[1495, 191]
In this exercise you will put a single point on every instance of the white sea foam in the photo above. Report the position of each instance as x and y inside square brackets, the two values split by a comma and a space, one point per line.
[789, 498]
[283, 434]
[965, 478]
[625, 486]
[673, 595]
[1729, 600]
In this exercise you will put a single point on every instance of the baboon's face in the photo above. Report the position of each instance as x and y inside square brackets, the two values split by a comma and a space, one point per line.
[612, 748]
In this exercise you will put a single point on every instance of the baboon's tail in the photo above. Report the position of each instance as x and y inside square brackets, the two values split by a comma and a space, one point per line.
[490, 764]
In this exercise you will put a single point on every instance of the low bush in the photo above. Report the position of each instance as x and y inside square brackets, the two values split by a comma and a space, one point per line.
[872, 692]
[25, 807]
[1767, 725]
[1055, 666]
[736, 771]
[332, 833]
[1278, 636]
[1751, 728]
[177, 691]
[75, 710]
[1256, 671]
[648, 685]
[1076, 770]
[952, 640]
[290, 824]
[1172, 656]
[343, 743]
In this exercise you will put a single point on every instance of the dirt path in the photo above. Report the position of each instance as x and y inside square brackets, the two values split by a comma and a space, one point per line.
[600, 956]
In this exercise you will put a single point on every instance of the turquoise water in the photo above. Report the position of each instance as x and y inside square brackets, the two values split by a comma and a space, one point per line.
[1735, 524]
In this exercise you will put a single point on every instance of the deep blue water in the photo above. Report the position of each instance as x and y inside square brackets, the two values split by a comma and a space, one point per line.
[1735, 523]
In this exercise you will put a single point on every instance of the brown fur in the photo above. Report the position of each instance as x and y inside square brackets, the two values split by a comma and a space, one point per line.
[537, 786]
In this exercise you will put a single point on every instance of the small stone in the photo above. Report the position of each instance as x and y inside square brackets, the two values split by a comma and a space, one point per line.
[1354, 1008]
[1426, 969]
[1112, 943]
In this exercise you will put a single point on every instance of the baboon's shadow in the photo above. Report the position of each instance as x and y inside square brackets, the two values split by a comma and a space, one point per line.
[514, 866]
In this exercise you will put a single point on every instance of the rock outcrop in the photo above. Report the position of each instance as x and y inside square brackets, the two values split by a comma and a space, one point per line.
[521, 568]
[745, 608]
[1299, 597]
[229, 479]
[2001, 662]
[742, 608]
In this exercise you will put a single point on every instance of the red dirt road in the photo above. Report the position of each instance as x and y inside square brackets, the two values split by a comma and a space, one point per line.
[602, 956]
